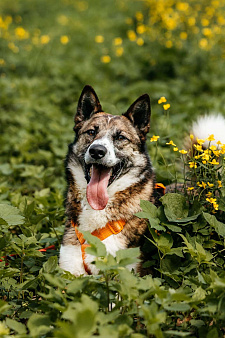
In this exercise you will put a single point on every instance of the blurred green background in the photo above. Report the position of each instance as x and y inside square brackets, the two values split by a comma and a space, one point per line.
[50, 49]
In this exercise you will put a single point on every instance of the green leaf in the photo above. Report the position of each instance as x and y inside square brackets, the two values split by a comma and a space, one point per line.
[150, 212]
[39, 324]
[16, 326]
[213, 222]
[178, 307]
[97, 248]
[51, 264]
[11, 215]
[175, 206]
[127, 256]
[174, 333]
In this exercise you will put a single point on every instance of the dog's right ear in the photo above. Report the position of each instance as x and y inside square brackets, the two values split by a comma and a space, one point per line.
[88, 105]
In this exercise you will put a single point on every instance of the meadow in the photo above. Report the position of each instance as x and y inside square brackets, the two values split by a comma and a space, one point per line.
[172, 50]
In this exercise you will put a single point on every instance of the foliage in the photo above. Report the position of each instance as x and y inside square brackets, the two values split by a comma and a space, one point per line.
[49, 51]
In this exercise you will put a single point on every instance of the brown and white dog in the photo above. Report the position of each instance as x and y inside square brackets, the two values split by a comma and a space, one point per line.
[108, 172]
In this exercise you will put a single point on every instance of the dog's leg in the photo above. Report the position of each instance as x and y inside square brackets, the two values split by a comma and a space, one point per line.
[71, 259]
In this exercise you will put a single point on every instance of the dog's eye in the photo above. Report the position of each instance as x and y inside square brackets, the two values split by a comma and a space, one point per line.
[121, 138]
[91, 132]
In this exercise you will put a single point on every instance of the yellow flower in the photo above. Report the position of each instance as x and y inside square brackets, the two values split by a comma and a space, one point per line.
[190, 188]
[117, 41]
[192, 165]
[140, 41]
[64, 39]
[183, 151]
[131, 35]
[154, 138]
[219, 143]
[139, 16]
[175, 149]
[210, 184]
[99, 39]
[191, 136]
[166, 106]
[214, 162]
[162, 99]
[183, 36]
[217, 153]
[172, 143]
[200, 141]
[141, 29]
[105, 59]
[209, 194]
[219, 184]
[198, 147]
[202, 185]
[119, 51]
[210, 138]
[44, 39]
[21, 33]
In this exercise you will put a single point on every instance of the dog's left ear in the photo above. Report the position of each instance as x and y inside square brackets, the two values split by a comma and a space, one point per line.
[88, 105]
[139, 114]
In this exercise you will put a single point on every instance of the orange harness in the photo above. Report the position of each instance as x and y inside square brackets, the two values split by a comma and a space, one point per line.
[111, 228]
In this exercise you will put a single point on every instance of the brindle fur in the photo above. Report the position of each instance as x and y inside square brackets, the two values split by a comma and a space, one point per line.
[134, 125]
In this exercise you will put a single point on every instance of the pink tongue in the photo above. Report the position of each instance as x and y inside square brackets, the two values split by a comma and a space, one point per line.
[97, 195]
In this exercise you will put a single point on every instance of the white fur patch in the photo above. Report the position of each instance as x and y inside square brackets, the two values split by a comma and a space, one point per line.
[110, 159]
[210, 124]
[71, 259]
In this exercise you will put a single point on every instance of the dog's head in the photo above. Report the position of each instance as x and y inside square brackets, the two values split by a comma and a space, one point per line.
[108, 146]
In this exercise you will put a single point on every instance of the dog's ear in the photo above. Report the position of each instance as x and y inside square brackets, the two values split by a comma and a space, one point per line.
[88, 105]
[139, 114]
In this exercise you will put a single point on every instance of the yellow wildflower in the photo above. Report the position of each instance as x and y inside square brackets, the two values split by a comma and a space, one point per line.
[172, 143]
[131, 35]
[105, 59]
[117, 41]
[183, 151]
[154, 138]
[99, 39]
[119, 51]
[64, 39]
[141, 29]
[190, 188]
[214, 162]
[198, 147]
[140, 41]
[139, 16]
[175, 149]
[44, 39]
[202, 185]
[209, 194]
[200, 141]
[191, 136]
[210, 184]
[192, 165]
[166, 106]
[162, 99]
[219, 184]
[210, 138]
[21, 33]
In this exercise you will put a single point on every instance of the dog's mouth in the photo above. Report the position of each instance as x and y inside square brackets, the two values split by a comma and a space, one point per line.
[99, 177]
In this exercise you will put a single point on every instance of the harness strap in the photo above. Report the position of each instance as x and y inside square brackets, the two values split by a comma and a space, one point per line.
[111, 228]
[160, 186]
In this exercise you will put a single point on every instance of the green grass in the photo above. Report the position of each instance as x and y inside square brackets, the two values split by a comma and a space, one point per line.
[40, 82]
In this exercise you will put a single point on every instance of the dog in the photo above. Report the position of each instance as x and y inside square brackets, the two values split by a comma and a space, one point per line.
[108, 171]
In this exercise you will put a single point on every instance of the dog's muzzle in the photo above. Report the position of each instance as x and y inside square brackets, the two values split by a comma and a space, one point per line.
[97, 151]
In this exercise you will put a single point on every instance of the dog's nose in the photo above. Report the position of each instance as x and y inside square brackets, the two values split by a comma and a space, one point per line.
[97, 151]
